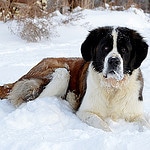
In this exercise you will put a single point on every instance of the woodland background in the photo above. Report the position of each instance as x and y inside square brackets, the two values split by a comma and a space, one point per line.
[33, 17]
[30, 8]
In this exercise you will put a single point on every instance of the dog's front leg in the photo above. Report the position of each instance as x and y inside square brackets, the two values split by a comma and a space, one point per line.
[93, 120]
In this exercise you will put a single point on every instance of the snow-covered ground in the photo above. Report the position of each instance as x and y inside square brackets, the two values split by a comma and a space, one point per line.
[49, 123]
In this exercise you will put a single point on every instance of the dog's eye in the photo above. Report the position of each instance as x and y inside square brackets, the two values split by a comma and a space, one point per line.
[124, 50]
[105, 48]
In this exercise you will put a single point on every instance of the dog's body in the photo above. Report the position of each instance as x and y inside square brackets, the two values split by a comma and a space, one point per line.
[106, 83]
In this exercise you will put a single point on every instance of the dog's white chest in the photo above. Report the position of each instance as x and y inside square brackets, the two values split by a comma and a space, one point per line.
[111, 102]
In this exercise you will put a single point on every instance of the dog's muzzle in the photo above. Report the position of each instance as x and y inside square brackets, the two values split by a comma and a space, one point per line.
[113, 63]
[113, 68]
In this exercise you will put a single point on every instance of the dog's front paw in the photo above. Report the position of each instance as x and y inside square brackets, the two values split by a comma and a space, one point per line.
[93, 120]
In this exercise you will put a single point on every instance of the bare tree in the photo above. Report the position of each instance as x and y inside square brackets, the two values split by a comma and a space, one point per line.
[4, 10]
[81, 3]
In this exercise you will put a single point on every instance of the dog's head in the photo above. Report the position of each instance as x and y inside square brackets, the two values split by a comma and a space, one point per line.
[114, 52]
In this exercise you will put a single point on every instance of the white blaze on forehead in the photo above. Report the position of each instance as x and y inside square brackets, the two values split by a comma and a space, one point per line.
[115, 35]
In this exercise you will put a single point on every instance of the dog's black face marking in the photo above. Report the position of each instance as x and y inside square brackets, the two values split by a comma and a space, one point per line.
[114, 51]
[132, 47]
[124, 48]
[97, 39]
[101, 51]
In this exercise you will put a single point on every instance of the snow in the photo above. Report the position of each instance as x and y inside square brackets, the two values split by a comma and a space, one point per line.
[49, 123]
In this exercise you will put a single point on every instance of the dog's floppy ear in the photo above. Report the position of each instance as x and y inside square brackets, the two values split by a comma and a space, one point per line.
[140, 48]
[88, 47]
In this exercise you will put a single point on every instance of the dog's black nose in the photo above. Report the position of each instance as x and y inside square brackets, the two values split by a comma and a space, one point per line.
[114, 61]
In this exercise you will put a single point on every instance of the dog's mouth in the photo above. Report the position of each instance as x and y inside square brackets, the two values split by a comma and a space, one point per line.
[117, 75]
[112, 72]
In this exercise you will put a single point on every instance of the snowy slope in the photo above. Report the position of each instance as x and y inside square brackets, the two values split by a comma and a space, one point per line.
[49, 123]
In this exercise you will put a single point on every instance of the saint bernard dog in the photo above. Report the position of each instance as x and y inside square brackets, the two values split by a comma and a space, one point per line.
[106, 83]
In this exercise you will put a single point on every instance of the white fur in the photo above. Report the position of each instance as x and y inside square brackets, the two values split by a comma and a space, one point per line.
[102, 101]
[58, 85]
